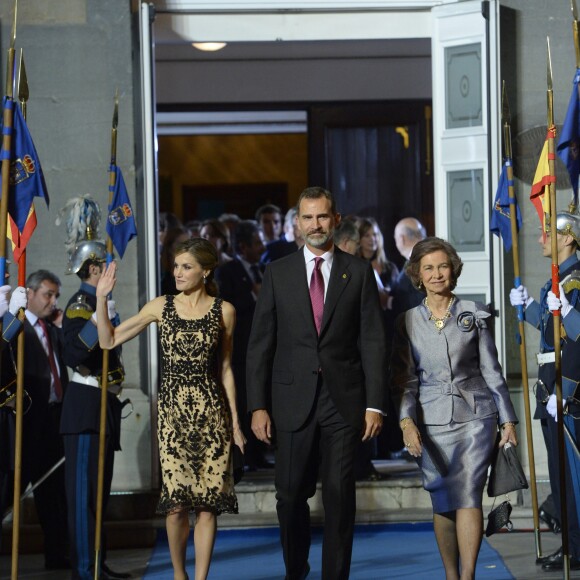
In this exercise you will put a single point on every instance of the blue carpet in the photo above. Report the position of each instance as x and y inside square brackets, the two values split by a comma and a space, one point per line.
[380, 551]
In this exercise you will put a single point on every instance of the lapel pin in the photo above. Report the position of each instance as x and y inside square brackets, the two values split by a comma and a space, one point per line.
[344, 276]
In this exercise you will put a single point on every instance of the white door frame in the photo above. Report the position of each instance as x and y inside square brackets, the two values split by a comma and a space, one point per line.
[267, 20]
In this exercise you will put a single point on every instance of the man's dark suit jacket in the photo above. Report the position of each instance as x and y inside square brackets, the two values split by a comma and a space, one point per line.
[37, 379]
[42, 445]
[286, 352]
[278, 249]
[235, 286]
[405, 295]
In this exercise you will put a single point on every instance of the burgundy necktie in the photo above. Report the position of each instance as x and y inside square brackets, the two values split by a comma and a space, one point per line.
[317, 293]
[51, 362]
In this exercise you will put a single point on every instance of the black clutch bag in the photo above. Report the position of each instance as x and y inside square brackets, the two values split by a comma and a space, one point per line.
[499, 518]
[507, 473]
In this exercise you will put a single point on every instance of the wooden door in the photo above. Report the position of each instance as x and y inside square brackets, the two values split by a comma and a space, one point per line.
[375, 158]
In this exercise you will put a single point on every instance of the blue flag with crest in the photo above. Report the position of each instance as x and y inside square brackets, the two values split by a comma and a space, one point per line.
[120, 220]
[26, 177]
[569, 145]
[500, 223]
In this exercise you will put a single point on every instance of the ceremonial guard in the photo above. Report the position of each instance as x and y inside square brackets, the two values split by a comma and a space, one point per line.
[539, 315]
[81, 412]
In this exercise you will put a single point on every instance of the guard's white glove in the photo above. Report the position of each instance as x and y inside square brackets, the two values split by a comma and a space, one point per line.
[4, 291]
[111, 311]
[18, 300]
[519, 297]
[560, 304]
[552, 407]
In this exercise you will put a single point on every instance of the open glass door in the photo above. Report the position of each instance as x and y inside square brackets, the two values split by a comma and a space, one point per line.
[465, 138]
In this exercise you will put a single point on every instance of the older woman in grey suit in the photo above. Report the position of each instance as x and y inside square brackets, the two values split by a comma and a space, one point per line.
[451, 396]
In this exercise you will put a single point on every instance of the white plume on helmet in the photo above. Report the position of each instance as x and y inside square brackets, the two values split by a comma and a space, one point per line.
[83, 217]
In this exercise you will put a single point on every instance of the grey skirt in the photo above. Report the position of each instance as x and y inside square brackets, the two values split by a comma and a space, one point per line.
[455, 461]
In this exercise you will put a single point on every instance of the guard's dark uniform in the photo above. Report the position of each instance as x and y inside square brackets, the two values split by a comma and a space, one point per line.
[80, 426]
[539, 316]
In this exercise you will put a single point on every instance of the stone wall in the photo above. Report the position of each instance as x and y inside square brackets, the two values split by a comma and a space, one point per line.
[77, 54]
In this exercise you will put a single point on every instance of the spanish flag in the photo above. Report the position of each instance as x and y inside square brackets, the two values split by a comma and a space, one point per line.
[542, 179]
[20, 239]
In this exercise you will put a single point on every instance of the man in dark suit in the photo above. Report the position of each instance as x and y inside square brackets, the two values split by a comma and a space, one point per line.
[289, 242]
[45, 381]
[316, 371]
[404, 295]
[239, 282]
[269, 218]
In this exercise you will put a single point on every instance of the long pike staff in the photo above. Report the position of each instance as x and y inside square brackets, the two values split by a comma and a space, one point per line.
[20, 346]
[507, 144]
[576, 33]
[8, 118]
[556, 319]
[105, 371]
[23, 95]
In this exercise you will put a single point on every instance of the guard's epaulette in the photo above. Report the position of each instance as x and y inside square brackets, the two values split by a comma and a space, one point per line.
[571, 281]
[80, 308]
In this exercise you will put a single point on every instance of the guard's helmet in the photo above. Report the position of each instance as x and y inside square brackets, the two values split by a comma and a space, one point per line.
[86, 250]
[568, 224]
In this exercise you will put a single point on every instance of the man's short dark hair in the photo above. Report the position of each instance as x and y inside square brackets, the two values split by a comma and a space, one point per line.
[346, 230]
[35, 279]
[245, 232]
[84, 273]
[268, 208]
[316, 193]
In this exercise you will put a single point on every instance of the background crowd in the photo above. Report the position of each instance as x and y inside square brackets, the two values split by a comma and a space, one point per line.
[246, 246]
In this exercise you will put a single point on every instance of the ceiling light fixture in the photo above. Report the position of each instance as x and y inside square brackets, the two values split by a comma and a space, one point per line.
[208, 46]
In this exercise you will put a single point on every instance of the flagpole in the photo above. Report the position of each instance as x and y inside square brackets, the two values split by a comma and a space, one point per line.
[8, 116]
[556, 319]
[507, 139]
[20, 346]
[576, 34]
[576, 31]
[105, 370]
[8, 119]
[23, 95]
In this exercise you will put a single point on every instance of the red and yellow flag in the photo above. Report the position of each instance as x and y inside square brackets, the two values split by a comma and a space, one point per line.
[18, 239]
[542, 179]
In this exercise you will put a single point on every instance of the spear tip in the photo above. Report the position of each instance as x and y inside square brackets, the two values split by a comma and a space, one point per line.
[574, 9]
[549, 65]
[505, 106]
[23, 92]
[13, 38]
[116, 110]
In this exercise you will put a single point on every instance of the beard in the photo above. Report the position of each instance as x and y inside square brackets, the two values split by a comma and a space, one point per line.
[318, 239]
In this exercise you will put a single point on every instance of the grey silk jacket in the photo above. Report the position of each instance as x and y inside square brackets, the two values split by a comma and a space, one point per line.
[451, 375]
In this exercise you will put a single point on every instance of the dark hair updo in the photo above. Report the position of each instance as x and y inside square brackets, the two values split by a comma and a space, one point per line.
[205, 254]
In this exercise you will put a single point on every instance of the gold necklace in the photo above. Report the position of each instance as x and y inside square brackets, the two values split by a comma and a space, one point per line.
[440, 322]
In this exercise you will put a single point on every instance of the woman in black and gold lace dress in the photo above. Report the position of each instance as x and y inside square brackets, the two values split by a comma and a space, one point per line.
[198, 420]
